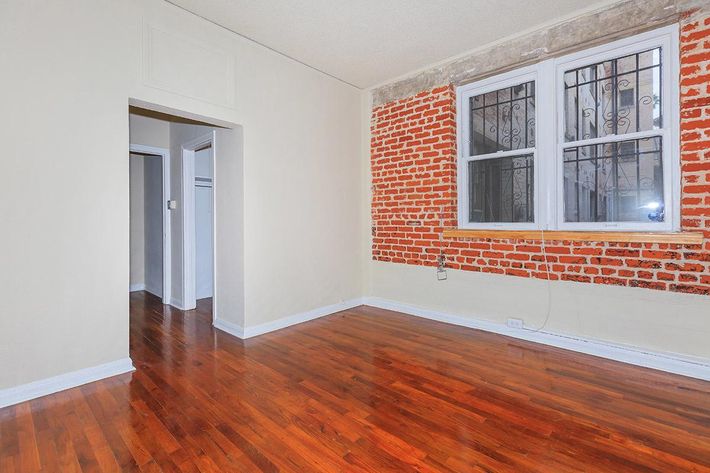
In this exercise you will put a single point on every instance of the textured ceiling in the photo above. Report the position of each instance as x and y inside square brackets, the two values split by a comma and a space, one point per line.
[368, 42]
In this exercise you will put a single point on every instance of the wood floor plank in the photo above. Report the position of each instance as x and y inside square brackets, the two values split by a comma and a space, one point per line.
[363, 390]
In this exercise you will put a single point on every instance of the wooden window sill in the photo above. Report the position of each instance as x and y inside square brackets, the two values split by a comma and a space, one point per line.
[676, 238]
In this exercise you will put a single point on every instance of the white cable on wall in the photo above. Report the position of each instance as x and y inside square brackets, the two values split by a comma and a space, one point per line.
[549, 284]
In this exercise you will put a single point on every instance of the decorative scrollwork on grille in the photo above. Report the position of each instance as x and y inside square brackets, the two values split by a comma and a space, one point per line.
[503, 120]
[613, 97]
[502, 189]
[618, 181]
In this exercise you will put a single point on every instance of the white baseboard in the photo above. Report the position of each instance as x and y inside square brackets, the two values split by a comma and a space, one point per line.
[300, 318]
[156, 291]
[248, 332]
[229, 327]
[672, 363]
[136, 287]
[46, 386]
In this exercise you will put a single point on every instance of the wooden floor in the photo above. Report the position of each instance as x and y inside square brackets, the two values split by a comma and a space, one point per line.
[361, 390]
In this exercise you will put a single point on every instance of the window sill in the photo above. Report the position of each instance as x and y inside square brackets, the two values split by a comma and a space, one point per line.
[676, 238]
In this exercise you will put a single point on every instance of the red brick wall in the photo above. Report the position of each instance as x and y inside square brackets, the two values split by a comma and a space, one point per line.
[413, 166]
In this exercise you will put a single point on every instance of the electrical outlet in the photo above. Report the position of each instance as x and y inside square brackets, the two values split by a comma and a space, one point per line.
[515, 323]
[441, 275]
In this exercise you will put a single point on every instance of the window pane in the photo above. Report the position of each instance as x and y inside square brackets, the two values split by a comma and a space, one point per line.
[503, 119]
[619, 96]
[614, 182]
[501, 189]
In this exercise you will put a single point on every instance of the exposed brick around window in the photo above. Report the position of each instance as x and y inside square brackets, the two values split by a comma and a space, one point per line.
[413, 167]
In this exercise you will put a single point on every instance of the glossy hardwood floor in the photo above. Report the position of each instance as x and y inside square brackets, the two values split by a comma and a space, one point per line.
[361, 390]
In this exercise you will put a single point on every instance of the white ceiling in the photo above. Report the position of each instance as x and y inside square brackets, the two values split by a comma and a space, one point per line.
[368, 42]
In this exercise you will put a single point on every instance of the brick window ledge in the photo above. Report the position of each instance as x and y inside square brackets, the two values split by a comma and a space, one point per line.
[675, 238]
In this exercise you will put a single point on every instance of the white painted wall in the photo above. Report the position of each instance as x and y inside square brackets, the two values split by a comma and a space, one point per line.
[149, 131]
[229, 220]
[659, 321]
[65, 93]
[302, 227]
[153, 225]
[137, 212]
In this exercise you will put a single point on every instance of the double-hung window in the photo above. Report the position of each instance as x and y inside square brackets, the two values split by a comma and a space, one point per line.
[588, 141]
[497, 159]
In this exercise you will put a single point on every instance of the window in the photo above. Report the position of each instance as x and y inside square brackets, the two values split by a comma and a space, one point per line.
[588, 141]
[502, 146]
[498, 166]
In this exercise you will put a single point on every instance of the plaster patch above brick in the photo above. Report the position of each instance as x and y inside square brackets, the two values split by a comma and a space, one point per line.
[621, 19]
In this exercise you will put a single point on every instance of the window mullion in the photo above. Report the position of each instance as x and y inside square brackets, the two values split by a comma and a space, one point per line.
[545, 158]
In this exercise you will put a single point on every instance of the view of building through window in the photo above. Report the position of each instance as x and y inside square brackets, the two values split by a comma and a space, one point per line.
[616, 181]
[501, 188]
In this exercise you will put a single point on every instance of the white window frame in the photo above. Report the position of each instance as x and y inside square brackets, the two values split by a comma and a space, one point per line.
[549, 135]
[463, 96]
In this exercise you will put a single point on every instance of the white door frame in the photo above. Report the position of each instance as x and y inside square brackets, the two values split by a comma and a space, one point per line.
[167, 240]
[188, 220]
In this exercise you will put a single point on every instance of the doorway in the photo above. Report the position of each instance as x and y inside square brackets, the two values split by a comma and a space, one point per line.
[198, 193]
[205, 229]
[204, 217]
[150, 245]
